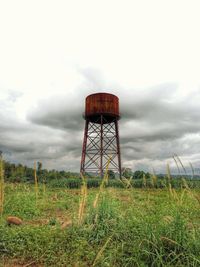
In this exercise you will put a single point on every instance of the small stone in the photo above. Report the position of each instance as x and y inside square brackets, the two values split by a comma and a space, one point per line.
[14, 220]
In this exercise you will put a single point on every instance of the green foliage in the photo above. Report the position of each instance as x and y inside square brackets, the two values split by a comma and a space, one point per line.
[139, 175]
[20, 204]
[77, 182]
[111, 174]
[129, 227]
[39, 167]
[52, 221]
[127, 172]
[18, 173]
[65, 183]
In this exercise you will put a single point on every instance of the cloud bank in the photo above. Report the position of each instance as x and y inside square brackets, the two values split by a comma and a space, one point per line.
[154, 126]
[53, 54]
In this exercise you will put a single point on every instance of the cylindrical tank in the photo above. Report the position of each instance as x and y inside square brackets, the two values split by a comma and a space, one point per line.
[102, 104]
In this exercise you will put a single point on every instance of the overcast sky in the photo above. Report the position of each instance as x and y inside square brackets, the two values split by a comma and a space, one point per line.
[54, 53]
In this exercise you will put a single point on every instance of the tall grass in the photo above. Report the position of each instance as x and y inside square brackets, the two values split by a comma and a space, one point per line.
[191, 166]
[134, 228]
[100, 252]
[36, 182]
[82, 204]
[1, 185]
[154, 179]
[144, 181]
[179, 160]
[103, 183]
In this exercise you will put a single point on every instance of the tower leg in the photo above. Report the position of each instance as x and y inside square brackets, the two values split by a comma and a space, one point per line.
[101, 148]
[118, 148]
[100, 145]
[82, 170]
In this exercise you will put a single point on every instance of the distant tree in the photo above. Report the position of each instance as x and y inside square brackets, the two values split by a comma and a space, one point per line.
[7, 169]
[39, 167]
[62, 173]
[86, 174]
[147, 174]
[138, 174]
[111, 174]
[127, 172]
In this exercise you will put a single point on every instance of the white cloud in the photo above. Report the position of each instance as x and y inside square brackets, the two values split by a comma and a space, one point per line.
[53, 53]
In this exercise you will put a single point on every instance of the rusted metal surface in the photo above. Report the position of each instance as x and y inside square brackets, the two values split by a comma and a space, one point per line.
[101, 135]
[102, 104]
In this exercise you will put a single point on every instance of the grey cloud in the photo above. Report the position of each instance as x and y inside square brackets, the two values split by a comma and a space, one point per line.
[26, 142]
[155, 124]
[65, 111]
[61, 112]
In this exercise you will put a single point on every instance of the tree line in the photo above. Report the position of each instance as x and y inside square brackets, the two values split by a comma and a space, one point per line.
[22, 173]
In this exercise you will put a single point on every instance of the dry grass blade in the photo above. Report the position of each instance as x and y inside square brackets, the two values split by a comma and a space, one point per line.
[197, 197]
[44, 187]
[144, 180]
[174, 157]
[127, 182]
[182, 196]
[168, 173]
[176, 196]
[189, 191]
[82, 204]
[170, 190]
[169, 178]
[168, 240]
[154, 179]
[36, 182]
[99, 254]
[181, 164]
[120, 180]
[104, 180]
[83, 179]
[83, 201]
[1, 185]
[191, 166]
[185, 184]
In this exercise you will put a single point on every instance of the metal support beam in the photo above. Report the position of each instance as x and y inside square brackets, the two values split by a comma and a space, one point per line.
[100, 144]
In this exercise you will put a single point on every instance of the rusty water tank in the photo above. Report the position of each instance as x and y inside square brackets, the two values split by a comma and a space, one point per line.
[104, 104]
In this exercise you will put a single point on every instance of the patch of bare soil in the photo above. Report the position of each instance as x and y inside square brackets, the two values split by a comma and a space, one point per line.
[63, 219]
[19, 263]
[124, 198]
[37, 222]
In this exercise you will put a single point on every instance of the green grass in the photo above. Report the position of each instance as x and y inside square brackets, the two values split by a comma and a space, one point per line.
[75, 183]
[129, 227]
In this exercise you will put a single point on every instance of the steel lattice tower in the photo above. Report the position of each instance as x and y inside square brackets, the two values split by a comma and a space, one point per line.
[101, 135]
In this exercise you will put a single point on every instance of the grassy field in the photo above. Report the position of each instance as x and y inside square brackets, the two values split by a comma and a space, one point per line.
[110, 227]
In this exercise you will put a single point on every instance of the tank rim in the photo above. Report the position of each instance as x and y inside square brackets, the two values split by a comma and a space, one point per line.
[102, 93]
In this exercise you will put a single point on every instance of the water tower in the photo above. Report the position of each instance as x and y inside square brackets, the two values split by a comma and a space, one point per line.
[101, 136]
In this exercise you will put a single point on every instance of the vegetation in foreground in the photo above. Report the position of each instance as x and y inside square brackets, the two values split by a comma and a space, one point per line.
[100, 227]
